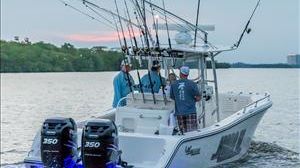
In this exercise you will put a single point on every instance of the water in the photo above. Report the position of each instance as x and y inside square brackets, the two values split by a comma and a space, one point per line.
[27, 99]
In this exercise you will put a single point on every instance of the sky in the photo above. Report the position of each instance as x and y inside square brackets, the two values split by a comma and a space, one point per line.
[275, 25]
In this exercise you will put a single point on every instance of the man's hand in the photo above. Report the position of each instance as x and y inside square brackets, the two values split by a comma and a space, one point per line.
[197, 98]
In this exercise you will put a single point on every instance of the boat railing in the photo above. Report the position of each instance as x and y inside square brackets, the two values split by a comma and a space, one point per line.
[267, 96]
[119, 102]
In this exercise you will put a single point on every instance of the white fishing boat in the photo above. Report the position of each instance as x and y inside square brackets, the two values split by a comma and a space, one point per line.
[144, 136]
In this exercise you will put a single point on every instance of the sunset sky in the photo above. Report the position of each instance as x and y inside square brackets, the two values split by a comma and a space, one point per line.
[275, 25]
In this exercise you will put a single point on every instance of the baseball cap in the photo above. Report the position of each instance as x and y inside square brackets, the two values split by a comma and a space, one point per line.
[123, 63]
[185, 70]
[155, 63]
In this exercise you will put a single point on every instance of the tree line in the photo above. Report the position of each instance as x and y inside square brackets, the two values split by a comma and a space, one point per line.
[46, 57]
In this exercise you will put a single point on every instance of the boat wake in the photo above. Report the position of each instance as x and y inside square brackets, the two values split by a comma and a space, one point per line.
[270, 155]
[260, 154]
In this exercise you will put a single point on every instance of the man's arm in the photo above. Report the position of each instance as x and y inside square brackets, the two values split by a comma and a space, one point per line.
[172, 92]
[196, 92]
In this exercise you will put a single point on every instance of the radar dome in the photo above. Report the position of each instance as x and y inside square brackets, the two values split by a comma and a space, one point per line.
[183, 38]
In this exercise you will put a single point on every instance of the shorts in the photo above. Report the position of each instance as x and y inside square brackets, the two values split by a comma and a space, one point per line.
[187, 122]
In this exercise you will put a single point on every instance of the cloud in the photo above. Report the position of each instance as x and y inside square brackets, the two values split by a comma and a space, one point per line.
[93, 37]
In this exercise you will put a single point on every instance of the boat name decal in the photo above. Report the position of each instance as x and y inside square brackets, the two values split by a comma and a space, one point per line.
[230, 146]
[189, 150]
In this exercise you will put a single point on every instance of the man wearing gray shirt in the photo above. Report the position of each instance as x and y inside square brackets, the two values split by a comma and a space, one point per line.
[185, 93]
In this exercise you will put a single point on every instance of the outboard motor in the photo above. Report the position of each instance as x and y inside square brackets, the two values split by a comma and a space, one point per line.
[99, 148]
[59, 143]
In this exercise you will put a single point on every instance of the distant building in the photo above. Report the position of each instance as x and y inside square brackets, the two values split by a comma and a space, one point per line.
[293, 59]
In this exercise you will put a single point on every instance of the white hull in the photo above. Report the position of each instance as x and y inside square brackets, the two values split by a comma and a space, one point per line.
[223, 145]
[219, 143]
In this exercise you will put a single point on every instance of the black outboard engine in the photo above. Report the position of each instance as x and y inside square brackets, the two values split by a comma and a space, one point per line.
[99, 148]
[59, 143]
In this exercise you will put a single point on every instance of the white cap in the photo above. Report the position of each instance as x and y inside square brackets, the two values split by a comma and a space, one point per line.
[185, 70]
[123, 63]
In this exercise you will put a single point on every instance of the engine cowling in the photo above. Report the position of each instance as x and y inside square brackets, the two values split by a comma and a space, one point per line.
[100, 144]
[59, 143]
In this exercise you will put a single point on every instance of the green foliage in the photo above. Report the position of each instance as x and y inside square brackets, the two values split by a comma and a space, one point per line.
[44, 57]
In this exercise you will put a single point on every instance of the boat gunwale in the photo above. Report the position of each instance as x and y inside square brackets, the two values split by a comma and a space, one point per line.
[222, 128]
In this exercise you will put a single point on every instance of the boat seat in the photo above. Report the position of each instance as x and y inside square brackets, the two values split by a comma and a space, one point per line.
[140, 117]
[148, 103]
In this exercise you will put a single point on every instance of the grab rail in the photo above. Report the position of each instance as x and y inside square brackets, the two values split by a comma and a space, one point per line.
[255, 102]
[118, 105]
[158, 117]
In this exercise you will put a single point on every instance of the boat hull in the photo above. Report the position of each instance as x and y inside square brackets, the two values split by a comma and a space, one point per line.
[227, 144]
[223, 142]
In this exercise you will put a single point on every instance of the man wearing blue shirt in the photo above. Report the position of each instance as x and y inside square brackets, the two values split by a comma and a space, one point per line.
[185, 93]
[121, 84]
[156, 80]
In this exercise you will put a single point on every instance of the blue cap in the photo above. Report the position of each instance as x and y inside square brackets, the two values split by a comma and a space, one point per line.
[185, 70]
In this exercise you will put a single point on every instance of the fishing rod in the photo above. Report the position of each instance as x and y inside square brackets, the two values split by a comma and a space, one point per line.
[246, 30]
[147, 31]
[108, 11]
[129, 18]
[169, 50]
[135, 51]
[143, 18]
[142, 15]
[97, 13]
[197, 21]
[155, 22]
[130, 37]
[86, 14]
[141, 31]
[167, 26]
[177, 17]
[190, 27]
[118, 32]
[155, 28]
[125, 49]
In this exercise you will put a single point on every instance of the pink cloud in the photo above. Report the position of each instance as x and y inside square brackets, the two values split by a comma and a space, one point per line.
[92, 37]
